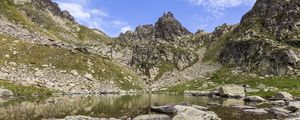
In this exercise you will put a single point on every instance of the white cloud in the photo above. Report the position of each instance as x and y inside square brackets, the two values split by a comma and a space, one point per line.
[93, 18]
[125, 29]
[76, 10]
[217, 7]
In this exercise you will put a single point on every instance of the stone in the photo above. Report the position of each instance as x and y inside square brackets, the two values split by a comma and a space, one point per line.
[191, 113]
[200, 107]
[152, 117]
[294, 106]
[5, 92]
[89, 76]
[74, 72]
[254, 99]
[277, 103]
[232, 90]
[243, 107]
[279, 112]
[80, 118]
[168, 109]
[283, 96]
[256, 111]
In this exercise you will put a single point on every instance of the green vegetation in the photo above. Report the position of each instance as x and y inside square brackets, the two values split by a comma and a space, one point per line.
[164, 67]
[85, 34]
[62, 59]
[21, 90]
[224, 76]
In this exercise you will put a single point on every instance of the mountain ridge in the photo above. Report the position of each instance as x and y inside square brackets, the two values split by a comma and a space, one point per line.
[152, 57]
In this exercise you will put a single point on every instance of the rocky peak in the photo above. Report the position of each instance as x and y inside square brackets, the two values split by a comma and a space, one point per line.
[170, 29]
[279, 19]
[52, 7]
[168, 15]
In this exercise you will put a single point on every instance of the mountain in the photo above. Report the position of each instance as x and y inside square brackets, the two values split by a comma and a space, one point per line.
[266, 40]
[158, 48]
[43, 46]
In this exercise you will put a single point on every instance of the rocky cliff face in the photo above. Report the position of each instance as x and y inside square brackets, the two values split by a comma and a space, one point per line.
[258, 44]
[155, 46]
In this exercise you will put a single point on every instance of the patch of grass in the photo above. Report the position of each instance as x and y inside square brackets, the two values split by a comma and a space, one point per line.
[37, 56]
[225, 76]
[286, 83]
[21, 90]
[164, 67]
[85, 34]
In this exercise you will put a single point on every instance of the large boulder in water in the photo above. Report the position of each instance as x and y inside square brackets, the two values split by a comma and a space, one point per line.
[191, 113]
[153, 117]
[231, 90]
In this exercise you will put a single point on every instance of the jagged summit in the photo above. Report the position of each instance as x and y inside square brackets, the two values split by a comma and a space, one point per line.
[168, 14]
[168, 28]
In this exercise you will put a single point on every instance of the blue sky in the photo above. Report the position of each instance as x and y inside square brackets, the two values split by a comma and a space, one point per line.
[116, 16]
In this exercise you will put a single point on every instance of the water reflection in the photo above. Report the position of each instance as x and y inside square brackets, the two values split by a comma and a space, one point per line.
[94, 106]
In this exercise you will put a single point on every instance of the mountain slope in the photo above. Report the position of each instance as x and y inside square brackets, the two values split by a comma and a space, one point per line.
[265, 41]
[43, 46]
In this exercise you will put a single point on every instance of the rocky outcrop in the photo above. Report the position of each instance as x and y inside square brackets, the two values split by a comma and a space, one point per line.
[52, 7]
[260, 56]
[278, 18]
[257, 44]
[154, 44]
[169, 29]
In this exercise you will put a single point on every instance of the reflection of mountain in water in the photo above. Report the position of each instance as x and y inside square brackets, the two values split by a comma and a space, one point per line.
[95, 106]
[107, 106]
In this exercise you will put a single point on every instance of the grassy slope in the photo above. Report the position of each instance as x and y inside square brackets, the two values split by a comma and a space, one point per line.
[64, 60]
[24, 90]
[44, 24]
[289, 84]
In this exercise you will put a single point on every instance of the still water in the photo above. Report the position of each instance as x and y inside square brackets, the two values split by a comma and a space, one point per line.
[110, 106]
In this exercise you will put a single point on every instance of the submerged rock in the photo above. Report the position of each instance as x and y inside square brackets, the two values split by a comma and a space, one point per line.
[254, 99]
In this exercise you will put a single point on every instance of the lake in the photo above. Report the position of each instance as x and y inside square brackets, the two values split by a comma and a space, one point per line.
[35, 108]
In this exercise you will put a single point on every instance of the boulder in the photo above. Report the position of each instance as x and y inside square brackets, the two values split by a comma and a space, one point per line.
[80, 117]
[152, 117]
[283, 96]
[254, 99]
[232, 90]
[200, 107]
[277, 103]
[279, 112]
[5, 92]
[168, 109]
[294, 106]
[191, 113]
